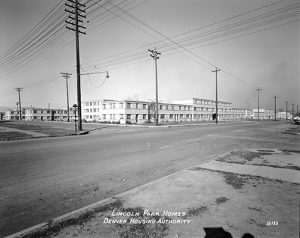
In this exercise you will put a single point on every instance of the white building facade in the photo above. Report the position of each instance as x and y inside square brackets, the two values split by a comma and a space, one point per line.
[40, 114]
[139, 112]
[264, 114]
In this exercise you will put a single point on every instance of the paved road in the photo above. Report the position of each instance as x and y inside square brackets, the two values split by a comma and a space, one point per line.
[44, 178]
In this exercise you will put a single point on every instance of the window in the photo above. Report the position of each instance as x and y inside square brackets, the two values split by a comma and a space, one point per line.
[144, 106]
[104, 116]
[104, 106]
[94, 110]
[160, 107]
[172, 107]
[136, 105]
[144, 116]
[171, 116]
[94, 103]
[121, 116]
[128, 105]
[128, 116]
[121, 105]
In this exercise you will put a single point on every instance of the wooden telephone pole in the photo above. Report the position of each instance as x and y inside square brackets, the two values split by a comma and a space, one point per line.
[76, 12]
[67, 76]
[20, 108]
[216, 71]
[154, 55]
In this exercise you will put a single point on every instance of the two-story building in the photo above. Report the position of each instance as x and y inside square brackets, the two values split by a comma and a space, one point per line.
[137, 112]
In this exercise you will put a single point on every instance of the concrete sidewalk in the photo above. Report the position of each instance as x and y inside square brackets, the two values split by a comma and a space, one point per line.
[244, 191]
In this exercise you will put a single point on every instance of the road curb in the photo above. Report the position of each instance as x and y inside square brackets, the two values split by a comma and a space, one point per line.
[58, 220]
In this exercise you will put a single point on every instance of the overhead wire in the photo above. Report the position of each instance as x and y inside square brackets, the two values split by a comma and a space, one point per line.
[140, 55]
[257, 25]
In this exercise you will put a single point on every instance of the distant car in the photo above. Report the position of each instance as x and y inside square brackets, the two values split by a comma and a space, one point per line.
[296, 120]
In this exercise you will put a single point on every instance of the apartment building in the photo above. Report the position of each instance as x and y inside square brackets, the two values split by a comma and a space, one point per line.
[138, 112]
[284, 115]
[264, 114]
[14, 114]
[40, 114]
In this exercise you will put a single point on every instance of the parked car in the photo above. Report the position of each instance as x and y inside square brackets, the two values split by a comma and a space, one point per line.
[296, 120]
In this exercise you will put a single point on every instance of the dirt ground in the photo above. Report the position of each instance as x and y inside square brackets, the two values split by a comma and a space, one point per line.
[184, 203]
[239, 204]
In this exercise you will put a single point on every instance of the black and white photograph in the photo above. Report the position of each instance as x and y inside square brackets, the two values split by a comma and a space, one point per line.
[149, 118]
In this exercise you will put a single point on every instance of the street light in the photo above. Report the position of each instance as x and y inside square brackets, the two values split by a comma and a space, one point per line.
[79, 95]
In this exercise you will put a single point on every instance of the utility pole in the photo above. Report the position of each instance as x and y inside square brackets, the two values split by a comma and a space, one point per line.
[293, 109]
[286, 109]
[66, 76]
[258, 89]
[76, 15]
[154, 55]
[275, 107]
[216, 71]
[20, 108]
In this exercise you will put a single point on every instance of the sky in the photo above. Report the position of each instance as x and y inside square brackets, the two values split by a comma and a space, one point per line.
[255, 44]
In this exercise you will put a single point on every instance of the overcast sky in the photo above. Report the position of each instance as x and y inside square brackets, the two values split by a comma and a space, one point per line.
[254, 43]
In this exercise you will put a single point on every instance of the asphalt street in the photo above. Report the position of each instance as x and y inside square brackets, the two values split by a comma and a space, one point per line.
[44, 178]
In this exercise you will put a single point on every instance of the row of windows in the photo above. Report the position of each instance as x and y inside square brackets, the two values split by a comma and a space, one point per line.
[206, 102]
[105, 105]
[145, 116]
[211, 103]
[47, 111]
[172, 108]
[91, 103]
[40, 112]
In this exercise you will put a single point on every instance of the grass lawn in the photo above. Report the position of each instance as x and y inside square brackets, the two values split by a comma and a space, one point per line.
[12, 135]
